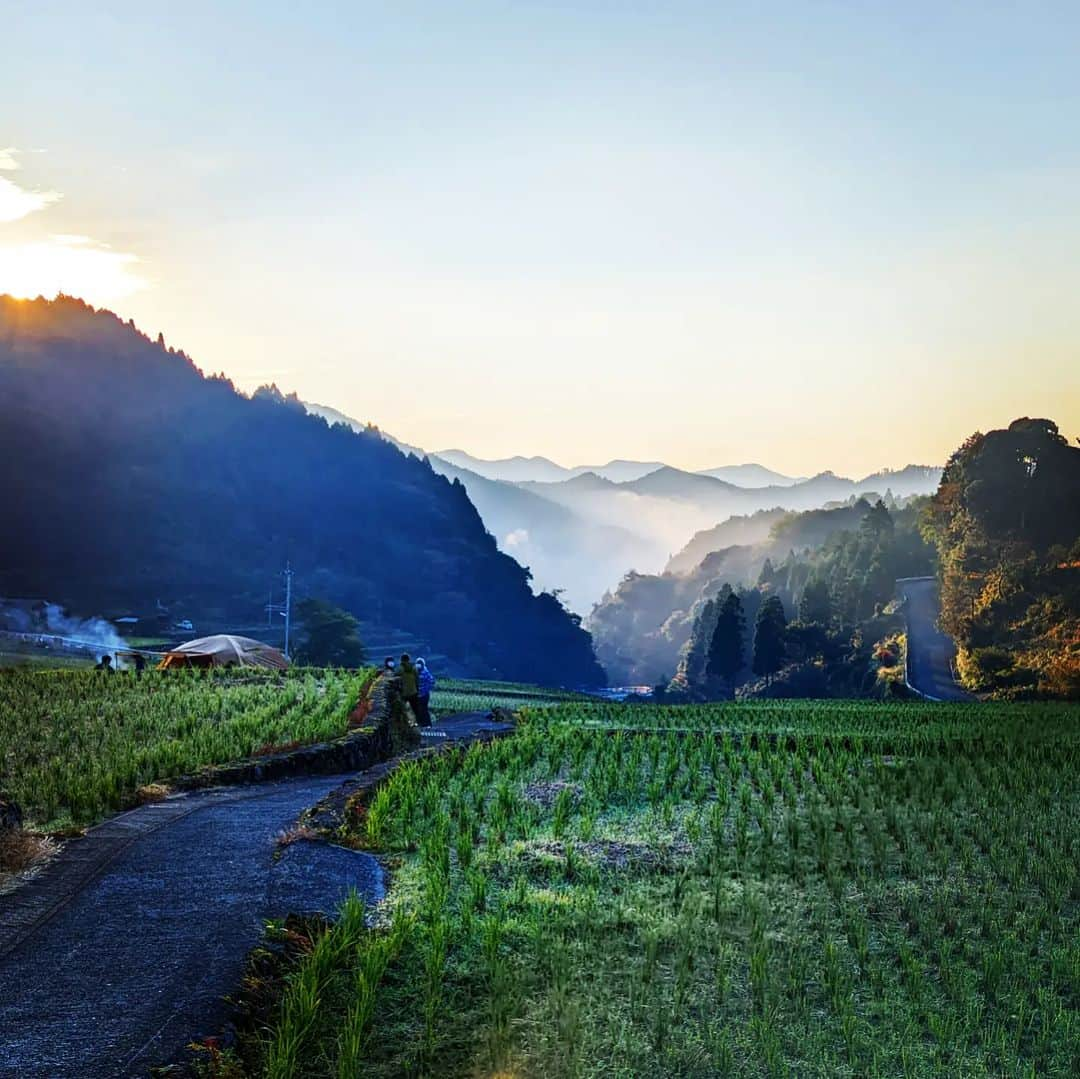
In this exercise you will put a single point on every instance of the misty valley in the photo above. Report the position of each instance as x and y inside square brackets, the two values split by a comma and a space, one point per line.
[416, 763]
[539, 540]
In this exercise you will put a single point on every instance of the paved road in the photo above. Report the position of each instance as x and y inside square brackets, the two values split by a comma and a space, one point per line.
[120, 954]
[464, 727]
[135, 964]
[930, 652]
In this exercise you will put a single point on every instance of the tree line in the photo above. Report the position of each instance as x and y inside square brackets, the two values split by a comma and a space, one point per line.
[810, 625]
[1006, 524]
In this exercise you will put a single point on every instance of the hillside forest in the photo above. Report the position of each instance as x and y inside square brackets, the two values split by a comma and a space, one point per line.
[130, 478]
[1006, 523]
[811, 611]
[137, 483]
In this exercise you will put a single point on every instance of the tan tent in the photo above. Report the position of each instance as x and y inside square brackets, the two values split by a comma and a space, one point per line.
[224, 650]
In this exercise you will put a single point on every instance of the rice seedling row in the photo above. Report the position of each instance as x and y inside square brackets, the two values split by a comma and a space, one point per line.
[456, 695]
[75, 746]
[572, 901]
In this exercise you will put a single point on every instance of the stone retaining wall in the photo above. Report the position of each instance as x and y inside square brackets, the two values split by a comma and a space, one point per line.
[387, 731]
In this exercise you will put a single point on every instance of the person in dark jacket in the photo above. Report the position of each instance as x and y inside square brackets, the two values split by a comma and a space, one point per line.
[410, 684]
[426, 682]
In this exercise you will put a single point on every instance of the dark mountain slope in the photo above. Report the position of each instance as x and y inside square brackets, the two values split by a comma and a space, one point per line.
[128, 476]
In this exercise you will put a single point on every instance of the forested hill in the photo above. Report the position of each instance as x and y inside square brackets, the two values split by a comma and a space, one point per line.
[1006, 521]
[128, 476]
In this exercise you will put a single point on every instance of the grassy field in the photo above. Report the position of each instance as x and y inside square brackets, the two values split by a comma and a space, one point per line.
[878, 891]
[77, 745]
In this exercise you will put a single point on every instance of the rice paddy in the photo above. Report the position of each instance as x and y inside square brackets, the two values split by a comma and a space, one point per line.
[458, 695]
[77, 745]
[805, 889]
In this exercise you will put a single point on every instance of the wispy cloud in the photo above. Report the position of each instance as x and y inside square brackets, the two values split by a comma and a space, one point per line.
[52, 263]
[17, 202]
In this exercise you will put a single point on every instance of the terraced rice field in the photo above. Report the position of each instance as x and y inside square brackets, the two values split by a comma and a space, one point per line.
[803, 889]
[456, 695]
[77, 745]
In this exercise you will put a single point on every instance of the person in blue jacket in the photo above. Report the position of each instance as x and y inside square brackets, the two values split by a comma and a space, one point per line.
[427, 684]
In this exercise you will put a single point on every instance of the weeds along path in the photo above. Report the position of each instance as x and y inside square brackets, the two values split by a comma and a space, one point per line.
[120, 954]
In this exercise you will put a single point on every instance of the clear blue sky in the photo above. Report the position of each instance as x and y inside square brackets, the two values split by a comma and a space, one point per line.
[816, 235]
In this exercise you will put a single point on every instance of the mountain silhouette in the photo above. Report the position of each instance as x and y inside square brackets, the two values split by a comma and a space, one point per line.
[130, 476]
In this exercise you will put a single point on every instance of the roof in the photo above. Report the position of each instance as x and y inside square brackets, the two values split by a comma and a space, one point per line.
[225, 649]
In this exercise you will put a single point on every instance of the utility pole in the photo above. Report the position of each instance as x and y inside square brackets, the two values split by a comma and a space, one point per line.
[288, 606]
[284, 609]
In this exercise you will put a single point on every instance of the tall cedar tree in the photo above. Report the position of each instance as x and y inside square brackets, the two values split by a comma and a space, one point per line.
[815, 605]
[726, 648]
[769, 633]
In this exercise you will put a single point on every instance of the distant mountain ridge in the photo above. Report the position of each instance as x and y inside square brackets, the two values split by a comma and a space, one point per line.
[641, 627]
[543, 470]
[632, 514]
[751, 475]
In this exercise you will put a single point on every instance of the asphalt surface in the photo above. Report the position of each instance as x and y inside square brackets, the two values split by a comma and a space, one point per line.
[135, 964]
[464, 727]
[123, 952]
[930, 651]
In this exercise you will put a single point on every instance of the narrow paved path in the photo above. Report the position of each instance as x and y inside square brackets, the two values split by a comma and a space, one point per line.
[135, 964]
[930, 652]
[121, 952]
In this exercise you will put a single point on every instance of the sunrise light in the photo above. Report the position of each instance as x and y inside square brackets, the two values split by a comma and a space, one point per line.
[71, 264]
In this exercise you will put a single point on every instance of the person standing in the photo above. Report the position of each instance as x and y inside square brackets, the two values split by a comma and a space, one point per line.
[426, 684]
[410, 684]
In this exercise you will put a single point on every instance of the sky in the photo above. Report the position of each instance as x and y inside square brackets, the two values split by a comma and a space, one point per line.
[815, 235]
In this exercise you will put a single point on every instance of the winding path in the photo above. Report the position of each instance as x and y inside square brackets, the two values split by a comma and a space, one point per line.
[930, 652]
[120, 953]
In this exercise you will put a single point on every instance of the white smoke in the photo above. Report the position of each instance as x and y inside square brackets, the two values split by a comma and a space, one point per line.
[93, 633]
[518, 538]
[47, 626]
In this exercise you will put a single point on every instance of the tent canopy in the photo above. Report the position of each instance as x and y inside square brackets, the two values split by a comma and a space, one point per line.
[224, 650]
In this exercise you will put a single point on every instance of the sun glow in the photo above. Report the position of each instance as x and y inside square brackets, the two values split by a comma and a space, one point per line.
[71, 264]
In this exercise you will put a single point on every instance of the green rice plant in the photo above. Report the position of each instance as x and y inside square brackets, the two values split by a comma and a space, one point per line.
[376, 954]
[814, 933]
[564, 807]
[303, 995]
[78, 745]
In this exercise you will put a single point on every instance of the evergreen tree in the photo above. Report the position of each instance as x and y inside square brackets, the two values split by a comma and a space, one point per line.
[726, 648]
[696, 657]
[769, 632]
[767, 574]
[877, 521]
[331, 638]
[815, 604]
